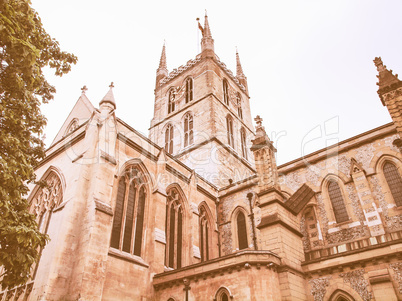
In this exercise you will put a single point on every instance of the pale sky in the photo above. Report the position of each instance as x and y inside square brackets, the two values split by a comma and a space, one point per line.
[309, 64]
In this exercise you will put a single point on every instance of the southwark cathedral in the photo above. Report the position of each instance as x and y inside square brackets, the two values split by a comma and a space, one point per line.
[199, 209]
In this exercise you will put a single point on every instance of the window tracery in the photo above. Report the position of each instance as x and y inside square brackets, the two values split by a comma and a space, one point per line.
[337, 201]
[188, 130]
[394, 181]
[169, 139]
[128, 221]
[189, 90]
[229, 126]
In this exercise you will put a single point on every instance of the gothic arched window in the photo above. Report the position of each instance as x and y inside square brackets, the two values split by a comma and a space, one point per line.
[174, 230]
[229, 125]
[225, 91]
[243, 143]
[169, 139]
[128, 221]
[338, 204]
[239, 108]
[241, 231]
[394, 182]
[171, 101]
[204, 234]
[222, 295]
[188, 130]
[189, 90]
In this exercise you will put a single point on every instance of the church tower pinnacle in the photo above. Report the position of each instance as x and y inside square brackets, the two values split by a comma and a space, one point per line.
[239, 72]
[207, 42]
[162, 70]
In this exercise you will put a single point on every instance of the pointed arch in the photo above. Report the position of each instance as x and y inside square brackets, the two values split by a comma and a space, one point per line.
[243, 141]
[229, 128]
[333, 192]
[223, 294]
[129, 217]
[239, 105]
[240, 228]
[225, 86]
[169, 138]
[188, 125]
[206, 230]
[389, 170]
[171, 100]
[176, 225]
[340, 295]
[189, 89]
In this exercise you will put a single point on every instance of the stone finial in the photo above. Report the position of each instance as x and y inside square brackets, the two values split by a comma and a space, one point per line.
[385, 77]
[239, 69]
[84, 89]
[207, 42]
[378, 63]
[162, 62]
[260, 130]
[258, 120]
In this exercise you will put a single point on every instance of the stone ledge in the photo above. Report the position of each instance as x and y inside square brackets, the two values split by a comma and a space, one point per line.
[218, 266]
[127, 257]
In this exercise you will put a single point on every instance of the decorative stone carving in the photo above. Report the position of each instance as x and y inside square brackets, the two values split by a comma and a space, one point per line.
[357, 209]
[303, 230]
[364, 155]
[318, 287]
[397, 267]
[358, 283]
[313, 175]
[347, 234]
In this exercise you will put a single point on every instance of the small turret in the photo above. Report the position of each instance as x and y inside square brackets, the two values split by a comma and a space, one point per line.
[162, 70]
[108, 103]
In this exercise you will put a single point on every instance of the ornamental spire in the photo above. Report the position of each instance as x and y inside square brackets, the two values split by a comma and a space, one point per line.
[207, 42]
[386, 79]
[162, 62]
[162, 70]
[239, 69]
[239, 72]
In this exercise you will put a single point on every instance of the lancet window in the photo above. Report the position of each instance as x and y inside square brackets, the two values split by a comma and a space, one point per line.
[128, 222]
[188, 130]
[241, 231]
[225, 91]
[229, 125]
[174, 230]
[189, 90]
[394, 182]
[338, 203]
[169, 139]
[243, 143]
[239, 107]
[204, 234]
[171, 101]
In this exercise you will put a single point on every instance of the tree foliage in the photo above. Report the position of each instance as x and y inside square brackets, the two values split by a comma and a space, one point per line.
[25, 49]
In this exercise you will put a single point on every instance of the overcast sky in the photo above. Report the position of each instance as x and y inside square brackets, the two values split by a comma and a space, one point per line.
[309, 64]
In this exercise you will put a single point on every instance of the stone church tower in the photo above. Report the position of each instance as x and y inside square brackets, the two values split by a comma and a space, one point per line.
[201, 211]
[202, 115]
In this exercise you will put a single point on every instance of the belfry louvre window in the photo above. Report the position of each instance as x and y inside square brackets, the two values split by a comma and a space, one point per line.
[169, 139]
[225, 91]
[394, 181]
[171, 101]
[242, 231]
[204, 235]
[128, 222]
[229, 125]
[174, 230]
[239, 108]
[338, 204]
[189, 90]
[243, 143]
[188, 130]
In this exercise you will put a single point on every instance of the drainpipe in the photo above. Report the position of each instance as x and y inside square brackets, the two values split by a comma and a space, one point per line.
[250, 197]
